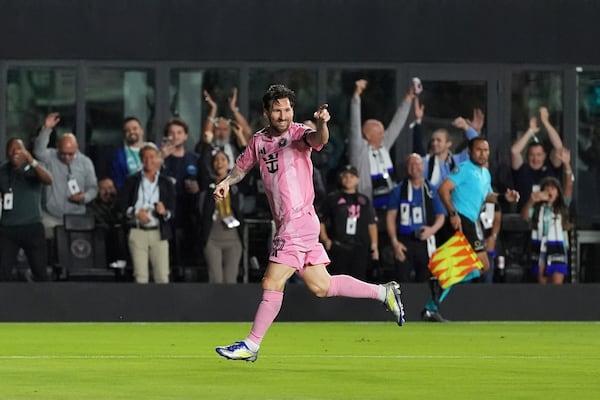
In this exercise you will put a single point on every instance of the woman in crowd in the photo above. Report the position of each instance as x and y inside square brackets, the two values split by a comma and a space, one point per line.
[548, 212]
[221, 227]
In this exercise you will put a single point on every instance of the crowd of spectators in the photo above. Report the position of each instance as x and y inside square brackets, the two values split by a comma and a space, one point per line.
[379, 217]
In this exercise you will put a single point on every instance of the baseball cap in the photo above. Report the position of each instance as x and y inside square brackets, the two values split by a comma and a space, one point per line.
[350, 169]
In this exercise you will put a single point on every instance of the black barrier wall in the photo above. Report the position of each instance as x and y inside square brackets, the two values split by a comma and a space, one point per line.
[106, 302]
[466, 31]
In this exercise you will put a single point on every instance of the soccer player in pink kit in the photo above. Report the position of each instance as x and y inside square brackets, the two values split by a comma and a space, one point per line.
[282, 151]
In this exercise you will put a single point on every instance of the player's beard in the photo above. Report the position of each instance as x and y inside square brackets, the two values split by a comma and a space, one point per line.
[279, 127]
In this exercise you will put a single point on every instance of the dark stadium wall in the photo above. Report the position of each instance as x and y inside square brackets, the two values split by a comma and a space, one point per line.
[428, 31]
[122, 302]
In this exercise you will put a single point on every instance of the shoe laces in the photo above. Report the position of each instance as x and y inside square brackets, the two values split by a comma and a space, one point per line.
[237, 345]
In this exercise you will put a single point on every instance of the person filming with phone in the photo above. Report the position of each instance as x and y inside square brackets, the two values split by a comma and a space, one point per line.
[74, 176]
[547, 210]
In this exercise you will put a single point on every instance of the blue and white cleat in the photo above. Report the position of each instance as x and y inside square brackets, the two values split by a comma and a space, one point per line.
[237, 351]
[392, 301]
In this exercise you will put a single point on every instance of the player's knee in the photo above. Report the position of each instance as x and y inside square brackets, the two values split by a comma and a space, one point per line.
[318, 290]
[272, 284]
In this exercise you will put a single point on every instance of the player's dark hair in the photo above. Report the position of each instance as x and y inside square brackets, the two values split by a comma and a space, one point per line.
[277, 92]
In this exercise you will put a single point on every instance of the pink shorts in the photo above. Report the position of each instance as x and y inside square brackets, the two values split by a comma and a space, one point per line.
[296, 243]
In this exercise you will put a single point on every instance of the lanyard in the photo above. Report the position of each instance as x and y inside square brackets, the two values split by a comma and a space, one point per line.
[11, 179]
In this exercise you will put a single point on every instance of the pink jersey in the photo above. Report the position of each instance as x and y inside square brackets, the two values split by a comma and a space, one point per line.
[285, 168]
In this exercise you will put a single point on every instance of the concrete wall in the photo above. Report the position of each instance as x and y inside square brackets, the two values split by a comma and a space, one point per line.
[114, 302]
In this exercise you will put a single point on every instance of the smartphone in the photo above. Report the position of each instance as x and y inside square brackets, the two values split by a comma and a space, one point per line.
[417, 85]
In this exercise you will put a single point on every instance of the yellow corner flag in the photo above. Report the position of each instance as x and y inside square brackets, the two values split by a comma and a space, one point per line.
[455, 261]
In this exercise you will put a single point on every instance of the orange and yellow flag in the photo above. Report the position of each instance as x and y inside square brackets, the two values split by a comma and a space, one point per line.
[455, 261]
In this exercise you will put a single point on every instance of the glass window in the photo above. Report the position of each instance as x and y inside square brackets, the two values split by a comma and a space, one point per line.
[111, 95]
[588, 151]
[32, 93]
[186, 100]
[444, 101]
[301, 81]
[378, 102]
[530, 91]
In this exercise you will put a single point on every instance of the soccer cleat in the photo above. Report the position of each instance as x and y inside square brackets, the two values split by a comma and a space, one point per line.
[392, 301]
[432, 316]
[237, 351]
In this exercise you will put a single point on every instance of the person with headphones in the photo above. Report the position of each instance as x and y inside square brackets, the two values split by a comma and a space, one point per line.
[349, 227]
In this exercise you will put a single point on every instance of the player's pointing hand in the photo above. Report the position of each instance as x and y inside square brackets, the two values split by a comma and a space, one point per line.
[322, 114]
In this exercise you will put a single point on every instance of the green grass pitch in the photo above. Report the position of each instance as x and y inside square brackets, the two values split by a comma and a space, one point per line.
[301, 361]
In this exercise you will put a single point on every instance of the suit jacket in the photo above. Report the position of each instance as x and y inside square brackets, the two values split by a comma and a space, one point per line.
[128, 196]
[118, 167]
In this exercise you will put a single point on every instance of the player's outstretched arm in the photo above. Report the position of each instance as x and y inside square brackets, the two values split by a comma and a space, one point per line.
[235, 176]
[321, 135]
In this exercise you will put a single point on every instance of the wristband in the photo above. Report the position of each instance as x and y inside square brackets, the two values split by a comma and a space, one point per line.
[34, 163]
[453, 213]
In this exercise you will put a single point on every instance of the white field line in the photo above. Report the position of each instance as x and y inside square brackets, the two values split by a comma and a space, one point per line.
[301, 356]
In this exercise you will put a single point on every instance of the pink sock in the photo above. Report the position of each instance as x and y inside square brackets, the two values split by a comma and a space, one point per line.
[347, 286]
[265, 315]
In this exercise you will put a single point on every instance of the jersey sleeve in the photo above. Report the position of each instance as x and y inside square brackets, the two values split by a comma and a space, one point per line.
[301, 132]
[248, 157]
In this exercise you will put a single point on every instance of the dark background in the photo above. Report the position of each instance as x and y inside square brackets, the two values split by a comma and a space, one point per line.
[469, 31]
